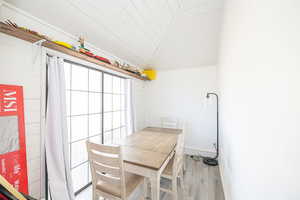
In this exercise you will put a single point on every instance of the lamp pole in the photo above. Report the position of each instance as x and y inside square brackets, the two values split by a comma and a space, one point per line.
[213, 161]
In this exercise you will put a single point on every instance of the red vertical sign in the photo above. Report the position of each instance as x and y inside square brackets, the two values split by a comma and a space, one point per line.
[13, 165]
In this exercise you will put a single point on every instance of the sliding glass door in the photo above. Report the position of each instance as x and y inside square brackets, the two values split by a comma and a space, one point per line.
[96, 111]
[114, 109]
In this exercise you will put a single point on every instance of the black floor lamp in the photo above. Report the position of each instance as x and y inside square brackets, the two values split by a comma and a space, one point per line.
[213, 161]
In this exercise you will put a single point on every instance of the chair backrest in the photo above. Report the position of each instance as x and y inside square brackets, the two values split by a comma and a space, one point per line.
[169, 122]
[107, 166]
[179, 153]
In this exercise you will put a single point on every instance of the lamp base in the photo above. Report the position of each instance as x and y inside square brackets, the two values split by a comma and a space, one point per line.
[210, 161]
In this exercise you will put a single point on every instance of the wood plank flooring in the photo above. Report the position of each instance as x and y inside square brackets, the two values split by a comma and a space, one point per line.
[201, 183]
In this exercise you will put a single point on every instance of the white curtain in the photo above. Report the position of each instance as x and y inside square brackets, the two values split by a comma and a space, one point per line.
[130, 102]
[56, 141]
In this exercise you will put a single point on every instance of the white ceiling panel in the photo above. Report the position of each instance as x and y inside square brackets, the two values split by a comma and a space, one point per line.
[150, 33]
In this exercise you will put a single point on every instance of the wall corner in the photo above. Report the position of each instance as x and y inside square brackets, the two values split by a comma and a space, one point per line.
[1, 4]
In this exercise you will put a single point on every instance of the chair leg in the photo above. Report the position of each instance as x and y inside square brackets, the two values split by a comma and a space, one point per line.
[184, 165]
[145, 188]
[174, 188]
[95, 196]
[181, 178]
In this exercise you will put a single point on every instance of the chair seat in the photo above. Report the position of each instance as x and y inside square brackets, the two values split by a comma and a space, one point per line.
[131, 182]
[168, 171]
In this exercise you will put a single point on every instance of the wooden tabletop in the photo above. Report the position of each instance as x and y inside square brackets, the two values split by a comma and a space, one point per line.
[150, 147]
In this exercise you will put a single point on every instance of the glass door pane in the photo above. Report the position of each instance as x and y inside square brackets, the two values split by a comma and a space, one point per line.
[84, 91]
[96, 112]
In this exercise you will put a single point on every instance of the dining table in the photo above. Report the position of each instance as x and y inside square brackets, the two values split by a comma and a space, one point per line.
[147, 153]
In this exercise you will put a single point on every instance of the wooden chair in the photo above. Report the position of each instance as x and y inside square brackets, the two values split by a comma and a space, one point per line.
[169, 122]
[108, 177]
[175, 168]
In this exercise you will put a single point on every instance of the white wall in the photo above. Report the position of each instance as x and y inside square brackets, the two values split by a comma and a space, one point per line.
[182, 94]
[260, 94]
[17, 68]
[139, 103]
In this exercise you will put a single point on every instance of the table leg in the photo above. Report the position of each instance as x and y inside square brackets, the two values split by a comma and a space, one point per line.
[155, 187]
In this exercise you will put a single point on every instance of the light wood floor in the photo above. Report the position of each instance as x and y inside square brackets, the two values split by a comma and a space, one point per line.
[201, 183]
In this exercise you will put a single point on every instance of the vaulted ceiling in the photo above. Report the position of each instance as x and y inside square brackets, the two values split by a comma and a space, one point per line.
[150, 33]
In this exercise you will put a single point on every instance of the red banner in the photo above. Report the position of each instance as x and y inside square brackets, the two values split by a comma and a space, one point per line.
[13, 165]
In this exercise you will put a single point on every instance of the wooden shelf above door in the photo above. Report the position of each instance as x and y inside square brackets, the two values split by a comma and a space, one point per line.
[29, 37]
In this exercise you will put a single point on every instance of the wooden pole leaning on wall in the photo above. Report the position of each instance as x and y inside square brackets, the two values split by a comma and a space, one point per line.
[11, 189]
[29, 37]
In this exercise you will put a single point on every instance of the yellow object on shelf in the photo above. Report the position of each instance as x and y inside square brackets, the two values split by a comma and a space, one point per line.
[151, 73]
[64, 44]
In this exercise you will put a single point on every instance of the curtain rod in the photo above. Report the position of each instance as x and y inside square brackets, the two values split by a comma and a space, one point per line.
[92, 68]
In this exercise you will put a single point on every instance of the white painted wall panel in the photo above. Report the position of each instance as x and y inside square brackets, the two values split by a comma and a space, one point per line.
[182, 94]
[16, 68]
[259, 85]
[140, 92]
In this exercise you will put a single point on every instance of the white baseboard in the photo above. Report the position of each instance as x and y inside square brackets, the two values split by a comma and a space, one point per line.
[195, 151]
[221, 170]
[225, 178]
